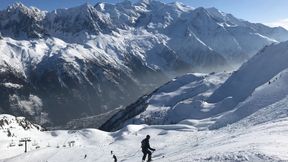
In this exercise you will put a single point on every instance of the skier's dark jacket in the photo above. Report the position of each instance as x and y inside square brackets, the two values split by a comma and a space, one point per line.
[145, 145]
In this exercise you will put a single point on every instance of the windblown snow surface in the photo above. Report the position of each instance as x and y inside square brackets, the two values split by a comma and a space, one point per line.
[254, 129]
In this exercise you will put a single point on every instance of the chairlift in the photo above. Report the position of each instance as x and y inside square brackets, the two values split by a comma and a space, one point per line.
[34, 143]
[25, 140]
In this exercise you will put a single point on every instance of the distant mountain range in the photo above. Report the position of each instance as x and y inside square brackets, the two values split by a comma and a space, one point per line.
[88, 60]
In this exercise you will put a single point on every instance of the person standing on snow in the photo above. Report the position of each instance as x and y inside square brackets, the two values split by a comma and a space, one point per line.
[114, 156]
[146, 149]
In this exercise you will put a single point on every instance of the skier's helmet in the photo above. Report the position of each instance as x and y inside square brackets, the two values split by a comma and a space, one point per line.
[148, 137]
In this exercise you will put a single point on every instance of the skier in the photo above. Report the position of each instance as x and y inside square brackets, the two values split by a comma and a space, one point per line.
[146, 149]
[114, 156]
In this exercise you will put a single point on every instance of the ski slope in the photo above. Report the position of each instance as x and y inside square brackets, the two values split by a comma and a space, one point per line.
[262, 141]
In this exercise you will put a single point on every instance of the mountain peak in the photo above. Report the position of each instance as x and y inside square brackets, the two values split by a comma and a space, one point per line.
[200, 9]
[21, 7]
[17, 5]
[215, 12]
[145, 1]
[78, 19]
[85, 6]
[32, 12]
[83, 9]
[182, 7]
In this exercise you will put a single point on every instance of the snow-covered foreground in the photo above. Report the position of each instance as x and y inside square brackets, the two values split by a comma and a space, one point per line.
[245, 140]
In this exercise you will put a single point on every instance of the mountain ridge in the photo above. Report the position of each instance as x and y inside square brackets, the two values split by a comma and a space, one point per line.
[215, 101]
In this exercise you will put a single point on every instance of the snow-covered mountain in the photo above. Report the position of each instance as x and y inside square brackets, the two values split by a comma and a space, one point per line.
[11, 125]
[182, 98]
[258, 86]
[19, 21]
[88, 60]
[219, 31]
[49, 77]
[210, 102]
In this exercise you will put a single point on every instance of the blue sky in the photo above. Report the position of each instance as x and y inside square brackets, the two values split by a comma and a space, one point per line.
[264, 11]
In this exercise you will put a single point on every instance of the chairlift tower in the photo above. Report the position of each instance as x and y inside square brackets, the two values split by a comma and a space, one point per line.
[25, 140]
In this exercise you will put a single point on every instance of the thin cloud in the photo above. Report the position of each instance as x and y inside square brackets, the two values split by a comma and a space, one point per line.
[283, 23]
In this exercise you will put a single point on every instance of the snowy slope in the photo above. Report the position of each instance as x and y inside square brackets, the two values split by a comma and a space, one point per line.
[210, 102]
[182, 98]
[272, 92]
[260, 142]
[11, 126]
[258, 70]
[73, 63]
